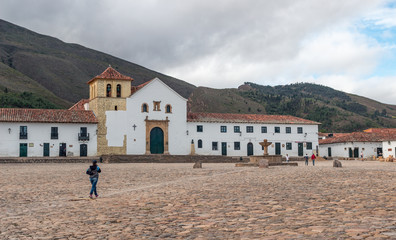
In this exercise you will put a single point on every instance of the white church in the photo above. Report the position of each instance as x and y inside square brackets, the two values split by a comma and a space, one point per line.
[148, 119]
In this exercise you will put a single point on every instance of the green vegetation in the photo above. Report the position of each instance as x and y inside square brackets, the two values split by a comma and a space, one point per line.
[38, 71]
[44, 65]
[336, 110]
[23, 100]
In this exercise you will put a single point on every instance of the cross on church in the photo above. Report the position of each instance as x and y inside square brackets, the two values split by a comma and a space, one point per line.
[265, 145]
[134, 126]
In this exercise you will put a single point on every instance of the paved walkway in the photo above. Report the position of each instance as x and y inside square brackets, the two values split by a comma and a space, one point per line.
[220, 201]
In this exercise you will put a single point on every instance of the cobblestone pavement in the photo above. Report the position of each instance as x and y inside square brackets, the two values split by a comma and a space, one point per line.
[220, 201]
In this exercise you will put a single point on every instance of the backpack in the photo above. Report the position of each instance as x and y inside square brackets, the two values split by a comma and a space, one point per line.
[92, 170]
[89, 172]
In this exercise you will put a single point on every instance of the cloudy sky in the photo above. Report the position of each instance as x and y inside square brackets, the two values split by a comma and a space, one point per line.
[347, 45]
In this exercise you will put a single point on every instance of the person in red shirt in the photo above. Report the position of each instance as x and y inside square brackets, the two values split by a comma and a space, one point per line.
[313, 157]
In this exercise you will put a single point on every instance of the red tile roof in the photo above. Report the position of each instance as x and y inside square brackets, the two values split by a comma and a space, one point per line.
[79, 105]
[137, 88]
[46, 115]
[334, 134]
[359, 137]
[246, 118]
[381, 130]
[111, 73]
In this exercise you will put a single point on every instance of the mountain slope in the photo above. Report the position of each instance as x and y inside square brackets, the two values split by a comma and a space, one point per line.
[62, 68]
[336, 110]
[38, 71]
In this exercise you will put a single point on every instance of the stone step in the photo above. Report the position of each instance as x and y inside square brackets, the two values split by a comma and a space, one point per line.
[159, 158]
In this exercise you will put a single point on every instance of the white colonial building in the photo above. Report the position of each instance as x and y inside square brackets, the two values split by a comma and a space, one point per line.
[371, 143]
[240, 134]
[155, 121]
[148, 119]
[47, 132]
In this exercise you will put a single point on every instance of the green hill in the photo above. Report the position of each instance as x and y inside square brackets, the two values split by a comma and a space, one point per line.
[336, 110]
[57, 72]
[38, 71]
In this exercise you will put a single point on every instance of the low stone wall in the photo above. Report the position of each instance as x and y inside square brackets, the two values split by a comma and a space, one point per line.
[48, 159]
[270, 158]
[171, 159]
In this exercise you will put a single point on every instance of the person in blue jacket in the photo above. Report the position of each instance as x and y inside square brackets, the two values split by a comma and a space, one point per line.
[93, 172]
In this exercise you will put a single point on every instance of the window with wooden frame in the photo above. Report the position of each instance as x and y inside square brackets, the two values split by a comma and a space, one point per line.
[157, 105]
[289, 146]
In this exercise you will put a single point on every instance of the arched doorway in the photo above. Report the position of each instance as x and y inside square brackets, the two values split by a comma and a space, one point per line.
[156, 141]
[250, 149]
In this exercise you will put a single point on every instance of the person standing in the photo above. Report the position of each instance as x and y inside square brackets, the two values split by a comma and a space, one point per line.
[93, 172]
[287, 158]
[306, 159]
[313, 157]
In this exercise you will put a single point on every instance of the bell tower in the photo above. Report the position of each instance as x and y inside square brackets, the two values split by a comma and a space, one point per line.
[108, 92]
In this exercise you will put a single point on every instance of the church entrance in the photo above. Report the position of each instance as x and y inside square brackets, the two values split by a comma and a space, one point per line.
[156, 141]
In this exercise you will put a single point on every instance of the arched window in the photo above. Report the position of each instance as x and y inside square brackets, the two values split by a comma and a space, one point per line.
[108, 90]
[144, 107]
[118, 90]
[199, 143]
[168, 109]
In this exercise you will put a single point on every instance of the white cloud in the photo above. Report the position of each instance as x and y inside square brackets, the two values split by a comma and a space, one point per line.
[383, 17]
[226, 42]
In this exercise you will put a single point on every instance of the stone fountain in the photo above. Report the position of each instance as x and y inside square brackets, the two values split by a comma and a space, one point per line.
[273, 160]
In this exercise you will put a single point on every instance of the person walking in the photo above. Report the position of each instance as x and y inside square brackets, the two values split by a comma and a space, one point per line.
[93, 172]
[306, 159]
[287, 158]
[313, 157]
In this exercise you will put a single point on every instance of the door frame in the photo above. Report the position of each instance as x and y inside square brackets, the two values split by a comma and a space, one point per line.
[278, 150]
[224, 148]
[329, 154]
[163, 124]
[62, 149]
[356, 152]
[86, 150]
[161, 141]
[250, 147]
[300, 146]
[46, 146]
[25, 146]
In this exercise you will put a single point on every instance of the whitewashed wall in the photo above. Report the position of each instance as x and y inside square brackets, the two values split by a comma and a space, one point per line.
[39, 133]
[121, 122]
[369, 149]
[211, 133]
[388, 148]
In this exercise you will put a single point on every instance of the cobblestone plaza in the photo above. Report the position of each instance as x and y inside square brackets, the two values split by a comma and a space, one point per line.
[219, 201]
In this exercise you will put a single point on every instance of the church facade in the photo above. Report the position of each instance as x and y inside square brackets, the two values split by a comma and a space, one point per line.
[151, 119]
